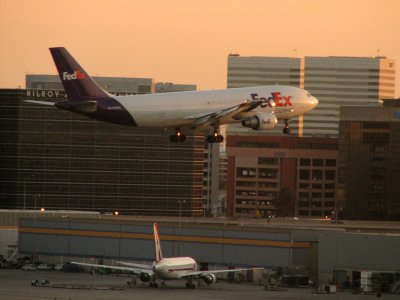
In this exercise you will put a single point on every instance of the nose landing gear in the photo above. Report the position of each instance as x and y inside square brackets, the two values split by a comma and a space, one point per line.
[286, 129]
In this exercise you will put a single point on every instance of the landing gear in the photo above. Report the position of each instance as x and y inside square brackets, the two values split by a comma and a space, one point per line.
[190, 284]
[215, 138]
[286, 129]
[178, 137]
[153, 284]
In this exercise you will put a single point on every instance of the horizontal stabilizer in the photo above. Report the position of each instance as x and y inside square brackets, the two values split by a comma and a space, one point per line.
[40, 102]
[82, 106]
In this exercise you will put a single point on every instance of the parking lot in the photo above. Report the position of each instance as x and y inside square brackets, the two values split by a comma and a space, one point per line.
[16, 285]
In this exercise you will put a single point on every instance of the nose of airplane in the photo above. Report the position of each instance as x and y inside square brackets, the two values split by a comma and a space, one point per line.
[314, 101]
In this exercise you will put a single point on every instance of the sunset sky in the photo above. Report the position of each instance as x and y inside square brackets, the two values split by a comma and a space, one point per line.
[186, 41]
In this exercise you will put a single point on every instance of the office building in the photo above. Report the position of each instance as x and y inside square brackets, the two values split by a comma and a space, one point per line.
[369, 162]
[350, 81]
[59, 160]
[287, 176]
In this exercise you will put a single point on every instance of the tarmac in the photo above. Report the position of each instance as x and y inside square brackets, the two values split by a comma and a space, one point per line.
[16, 284]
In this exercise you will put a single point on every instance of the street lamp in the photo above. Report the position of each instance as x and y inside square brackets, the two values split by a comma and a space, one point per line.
[179, 224]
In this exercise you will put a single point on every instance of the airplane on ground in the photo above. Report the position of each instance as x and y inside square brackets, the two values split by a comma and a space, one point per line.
[258, 108]
[163, 268]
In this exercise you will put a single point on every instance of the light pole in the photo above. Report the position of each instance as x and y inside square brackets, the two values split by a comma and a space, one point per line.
[179, 224]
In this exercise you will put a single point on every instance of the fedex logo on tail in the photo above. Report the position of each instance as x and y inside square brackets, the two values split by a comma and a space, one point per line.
[77, 75]
[276, 99]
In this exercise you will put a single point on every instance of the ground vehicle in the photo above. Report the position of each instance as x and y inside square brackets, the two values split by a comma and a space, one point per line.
[44, 267]
[29, 267]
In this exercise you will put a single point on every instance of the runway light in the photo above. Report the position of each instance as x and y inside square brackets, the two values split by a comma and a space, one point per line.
[116, 213]
[42, 209]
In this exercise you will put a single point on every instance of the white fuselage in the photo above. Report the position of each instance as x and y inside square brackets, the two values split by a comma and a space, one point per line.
[181, 108]
[174, 267]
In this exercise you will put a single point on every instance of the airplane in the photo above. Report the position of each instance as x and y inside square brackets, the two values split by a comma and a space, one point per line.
[167, 268]
[258, 108]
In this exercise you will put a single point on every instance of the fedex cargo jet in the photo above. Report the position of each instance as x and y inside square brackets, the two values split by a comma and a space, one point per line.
[171, 268]
[258, 108]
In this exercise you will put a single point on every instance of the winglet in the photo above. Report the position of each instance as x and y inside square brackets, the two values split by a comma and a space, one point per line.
[157, 243]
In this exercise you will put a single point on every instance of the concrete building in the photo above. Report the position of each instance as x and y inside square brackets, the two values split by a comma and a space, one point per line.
[168, 87]
[369, 162]
[289, 176]
[337, 81]
[114, 85]
[58, 160]
[323, 251]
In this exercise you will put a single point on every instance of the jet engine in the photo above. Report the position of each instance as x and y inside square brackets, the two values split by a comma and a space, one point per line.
[144, 277]
[209, 278]
[261, 121]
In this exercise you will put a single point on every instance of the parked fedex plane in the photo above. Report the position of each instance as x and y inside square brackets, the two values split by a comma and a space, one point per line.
[171, 268]
[258, 108]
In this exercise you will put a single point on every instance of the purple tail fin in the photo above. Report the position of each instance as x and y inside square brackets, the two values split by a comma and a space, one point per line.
[78, 85]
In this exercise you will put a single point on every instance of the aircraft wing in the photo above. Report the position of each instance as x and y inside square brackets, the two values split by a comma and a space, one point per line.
[138, 266]
[221, 117]
[200, 273]
[131, 269]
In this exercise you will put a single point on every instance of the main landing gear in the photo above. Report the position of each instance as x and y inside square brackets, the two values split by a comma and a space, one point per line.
[286, 129]
[190, 284]
[215, 138]
[153, 282]
[178, 137]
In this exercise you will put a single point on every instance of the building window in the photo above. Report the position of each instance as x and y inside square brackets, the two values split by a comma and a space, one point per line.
[330, 162]
[330, 186]
[304, 174]
[318, 162]
[317, 186]
[317, 174]
[316, 195]
[330, 174]
[304, 195]
[304, 185]
[305, 161]
[246, 172]
[330, 195]
[246, 183]
[268, 173]
[268, 161]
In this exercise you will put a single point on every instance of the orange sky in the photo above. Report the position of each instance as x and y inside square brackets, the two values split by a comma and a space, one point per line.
[187, 41]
